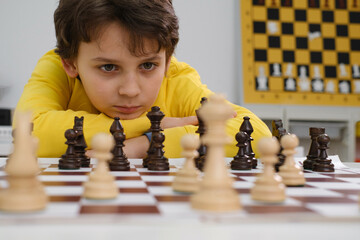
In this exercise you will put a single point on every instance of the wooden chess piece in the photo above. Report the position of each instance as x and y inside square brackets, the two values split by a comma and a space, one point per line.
[25, 191]
[200, 160]
[119, 162]
[323, 163]
[314, 147]
[188, 178]
[268, 186]
[69, 160]
[354, 5]
[241, 161]
[273, 3]
[247, 127]
[101, 184]
[156, 160]
[80, 144]
[281, 156]
[216, 192]
[291, 173]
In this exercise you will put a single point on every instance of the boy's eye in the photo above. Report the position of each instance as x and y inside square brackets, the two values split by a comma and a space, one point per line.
[108, 67]
[147, 65]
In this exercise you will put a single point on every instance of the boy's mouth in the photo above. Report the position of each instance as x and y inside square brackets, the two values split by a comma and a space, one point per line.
[127, 109]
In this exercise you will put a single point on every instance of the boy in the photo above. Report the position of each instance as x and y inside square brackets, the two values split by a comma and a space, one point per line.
[114, 59]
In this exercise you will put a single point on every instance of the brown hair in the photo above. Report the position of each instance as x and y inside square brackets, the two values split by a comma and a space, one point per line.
[81, 20]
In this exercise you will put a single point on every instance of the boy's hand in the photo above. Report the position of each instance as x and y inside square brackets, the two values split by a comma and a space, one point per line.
[170, 122]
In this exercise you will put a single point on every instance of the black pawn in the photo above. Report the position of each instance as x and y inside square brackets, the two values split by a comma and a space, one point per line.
[323, 163]
[281, 157]
[69, 160]
[80, 144]
[156, 160]
[119, 162]
[314, 147]
[241, 161]
[200, 160]
[247, 127]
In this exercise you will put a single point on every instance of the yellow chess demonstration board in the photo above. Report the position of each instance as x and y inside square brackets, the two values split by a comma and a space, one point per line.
[301, 51]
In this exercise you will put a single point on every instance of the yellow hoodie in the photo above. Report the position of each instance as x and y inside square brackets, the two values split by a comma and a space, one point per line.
[55, 99]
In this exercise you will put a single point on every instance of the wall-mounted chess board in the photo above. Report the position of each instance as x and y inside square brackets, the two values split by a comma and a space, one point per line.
[301, 52]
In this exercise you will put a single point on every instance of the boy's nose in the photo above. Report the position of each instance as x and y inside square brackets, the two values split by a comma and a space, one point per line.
[129, 86]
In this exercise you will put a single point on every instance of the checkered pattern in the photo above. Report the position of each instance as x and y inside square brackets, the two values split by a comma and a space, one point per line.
[149, 193]
[338, 43]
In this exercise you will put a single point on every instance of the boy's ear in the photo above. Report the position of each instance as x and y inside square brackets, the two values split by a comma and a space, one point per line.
[70, 68]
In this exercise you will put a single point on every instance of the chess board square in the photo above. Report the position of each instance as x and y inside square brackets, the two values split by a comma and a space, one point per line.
[125, 174]
[274, 42]
[287, 28]
[246, 200]
[310, 192]
[260, 40]
[301, 29]
[130, 184]
[342, 30]
[343, 57]
[335, 185]
[272, 209]
[273, 14]
[341, 17]
[274, 55]
[337, 210]
[330, 72]
[64, 198]
[353, 179]
[328, 30]
[354, 31]
[311, 199]
[162, 190]
[300, 4]
[259, 27]
[288, 56]
[157, 178]
[258, 2]
[272, 68]
[315, 27]
[314, 16]
[316, 44]
[355, 44]
[313, 3]
[354, 56]
[327, 16]
[316, 57]
[329, 43]
[286, 3]
[173, 198]
[64, 190]
[260, 55]
[288, 42]
[259, 13]
[342, 44]
[144, 209]
[286, 15]
[301, 43]
[126, 199]
[302, 57]
[300, 15]
[354, 17]
[58, 178]
[341, 4]
[177, 209]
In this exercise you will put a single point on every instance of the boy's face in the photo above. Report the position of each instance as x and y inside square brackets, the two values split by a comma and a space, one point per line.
[118, 83]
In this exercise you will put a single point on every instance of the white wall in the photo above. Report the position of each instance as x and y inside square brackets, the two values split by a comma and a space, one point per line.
[208, 41]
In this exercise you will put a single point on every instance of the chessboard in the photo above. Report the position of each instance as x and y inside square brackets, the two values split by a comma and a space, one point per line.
[301, 52]
[148, 194]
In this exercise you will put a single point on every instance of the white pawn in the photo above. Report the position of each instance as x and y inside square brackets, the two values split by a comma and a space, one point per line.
[101, 184]
[268, 187]
[188, 178]
[291, 173]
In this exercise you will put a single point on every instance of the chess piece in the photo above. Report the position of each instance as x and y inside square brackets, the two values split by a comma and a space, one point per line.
[69, 160]
[241, 161]
[289, 70]
[80, 144]
[119, 162]
[330, 87]
[247, 127]
[281, 156]
[314, 147]
[344, 87]
[272, 27]
[200, 160]
[25, 192]
[276, 70]
[188, 178]
[262, 80]
[156, 161]
[323, 163]
[356, 72]
[290, 84]
[101, 184]
[216, 192]
[268, 186]
[317, 85]
[356, 86]
[291, 173]
[343, 71]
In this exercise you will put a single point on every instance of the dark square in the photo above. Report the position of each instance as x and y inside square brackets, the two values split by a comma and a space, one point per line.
[302, 42]
[300, 15]
[259, 2]
[355, 44]
[342, 30]
[273, 14]
[287, 28]
[314, 3]
[274, 42]
[327, 16]
[329, 43]
[271, 69]
[314, 28]
[341, 4]
[286, 3]
[260, 55]
[288, 56]
[330, 71]
[316, 57]
[354, 17]
[343, 57]
[259, 27]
